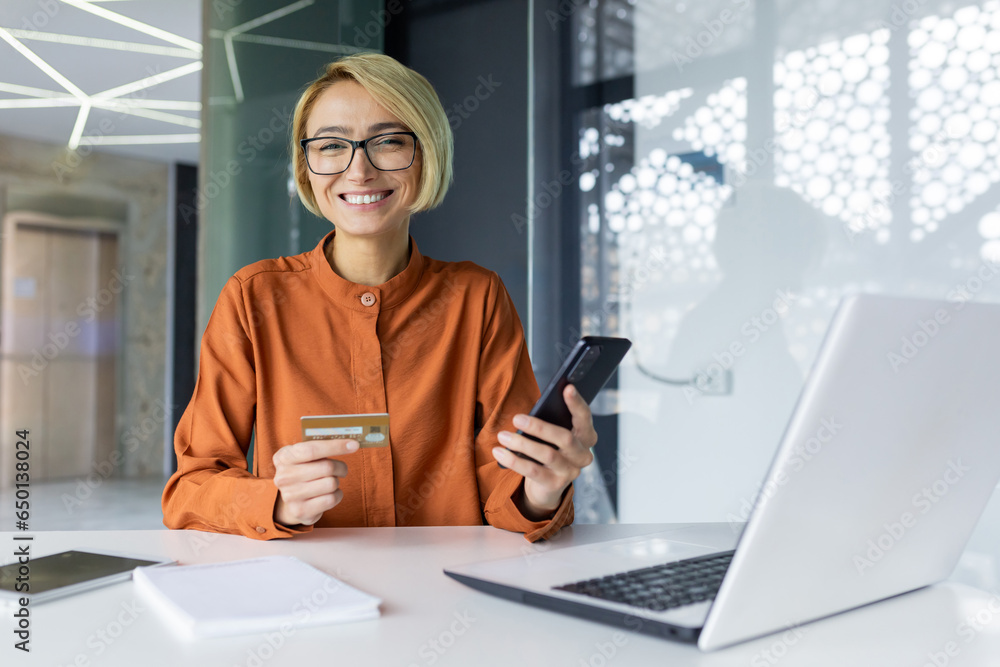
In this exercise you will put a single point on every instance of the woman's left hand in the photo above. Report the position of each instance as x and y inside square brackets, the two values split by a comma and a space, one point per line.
[546, 481]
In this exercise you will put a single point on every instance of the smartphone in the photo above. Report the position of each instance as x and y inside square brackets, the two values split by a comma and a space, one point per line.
[588, 367]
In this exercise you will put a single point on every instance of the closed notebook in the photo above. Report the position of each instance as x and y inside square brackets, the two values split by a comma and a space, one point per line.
[250, 596]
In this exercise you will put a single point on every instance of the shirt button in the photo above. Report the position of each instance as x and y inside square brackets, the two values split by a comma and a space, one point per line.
[368, 299]
[261, 529]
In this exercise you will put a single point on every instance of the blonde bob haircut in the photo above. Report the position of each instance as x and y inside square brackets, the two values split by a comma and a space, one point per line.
[406, 95]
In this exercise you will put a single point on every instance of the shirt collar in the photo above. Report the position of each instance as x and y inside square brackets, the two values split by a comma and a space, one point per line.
[345, 293]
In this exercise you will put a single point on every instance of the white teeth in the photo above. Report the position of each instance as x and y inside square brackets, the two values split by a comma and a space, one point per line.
[364, 199]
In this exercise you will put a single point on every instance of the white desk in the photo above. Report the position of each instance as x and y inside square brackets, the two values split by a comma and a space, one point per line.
[429, 619]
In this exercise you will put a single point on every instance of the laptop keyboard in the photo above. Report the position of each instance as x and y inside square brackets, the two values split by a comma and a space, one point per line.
[660, 587]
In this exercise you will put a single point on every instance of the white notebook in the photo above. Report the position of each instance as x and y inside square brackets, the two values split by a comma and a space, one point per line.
[247, 596]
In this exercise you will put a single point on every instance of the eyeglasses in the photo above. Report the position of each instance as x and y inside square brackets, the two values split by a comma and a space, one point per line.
[392, 151]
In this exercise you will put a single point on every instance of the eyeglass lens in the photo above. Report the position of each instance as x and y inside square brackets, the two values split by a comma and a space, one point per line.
[387, 152]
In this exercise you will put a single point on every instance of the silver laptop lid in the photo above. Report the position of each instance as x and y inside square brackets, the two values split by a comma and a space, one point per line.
[890, 457]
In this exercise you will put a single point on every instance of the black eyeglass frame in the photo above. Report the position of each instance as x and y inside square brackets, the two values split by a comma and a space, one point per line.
[355, 145]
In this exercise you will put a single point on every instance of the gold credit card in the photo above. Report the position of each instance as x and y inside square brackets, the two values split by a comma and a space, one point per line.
[370, 430]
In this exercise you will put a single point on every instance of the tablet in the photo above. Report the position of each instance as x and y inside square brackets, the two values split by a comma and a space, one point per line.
[67, 573]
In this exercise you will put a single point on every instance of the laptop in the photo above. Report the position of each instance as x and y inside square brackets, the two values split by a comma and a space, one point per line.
[889, 458]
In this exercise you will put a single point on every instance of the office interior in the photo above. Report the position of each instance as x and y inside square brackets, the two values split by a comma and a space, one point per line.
[705, 178]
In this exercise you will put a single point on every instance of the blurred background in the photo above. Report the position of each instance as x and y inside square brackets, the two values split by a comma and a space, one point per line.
[700, 177]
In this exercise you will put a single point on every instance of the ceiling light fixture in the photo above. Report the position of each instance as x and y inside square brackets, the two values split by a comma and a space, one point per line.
[104, 99]
[42, 65]
[152, 114]
[141, 139]
[111, 99]
[96, 42]
[39, 103]
[81, 122]
[149, 81]
[232, 33]
[81, 118]
[135, 25]
[28, 90]
[288, 43]
[176, 105]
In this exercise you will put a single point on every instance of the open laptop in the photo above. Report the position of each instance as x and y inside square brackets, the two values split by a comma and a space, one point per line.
[889, 459]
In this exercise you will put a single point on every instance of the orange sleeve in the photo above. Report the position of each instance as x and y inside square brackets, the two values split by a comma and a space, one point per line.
[212, 489]
[506, 387]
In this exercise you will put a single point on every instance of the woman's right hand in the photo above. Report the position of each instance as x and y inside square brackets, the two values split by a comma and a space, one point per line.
[308, 480]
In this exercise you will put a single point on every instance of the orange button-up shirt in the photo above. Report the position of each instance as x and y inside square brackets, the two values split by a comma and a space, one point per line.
[439, 347]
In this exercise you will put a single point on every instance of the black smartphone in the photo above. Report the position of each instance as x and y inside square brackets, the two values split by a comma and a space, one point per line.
[588, 367]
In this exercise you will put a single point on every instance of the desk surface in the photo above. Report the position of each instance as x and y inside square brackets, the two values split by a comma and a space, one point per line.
[429, 619]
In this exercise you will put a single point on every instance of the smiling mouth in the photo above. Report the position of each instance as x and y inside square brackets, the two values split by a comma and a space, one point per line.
[366, 199]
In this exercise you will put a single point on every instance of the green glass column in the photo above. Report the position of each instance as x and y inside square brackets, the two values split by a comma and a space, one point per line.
[259, 56]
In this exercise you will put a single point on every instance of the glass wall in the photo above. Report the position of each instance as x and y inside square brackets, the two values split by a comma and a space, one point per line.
[775, 155]
[259, 56]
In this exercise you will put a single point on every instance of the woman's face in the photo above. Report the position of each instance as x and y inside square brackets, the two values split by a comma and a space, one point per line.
[346, 110]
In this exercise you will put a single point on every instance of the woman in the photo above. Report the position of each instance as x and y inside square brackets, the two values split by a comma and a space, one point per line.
[364, 323]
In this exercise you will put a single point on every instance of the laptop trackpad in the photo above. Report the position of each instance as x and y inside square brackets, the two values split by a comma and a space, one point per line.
[658, 548]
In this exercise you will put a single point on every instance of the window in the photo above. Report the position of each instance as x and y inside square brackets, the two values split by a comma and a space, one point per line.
[761, 160]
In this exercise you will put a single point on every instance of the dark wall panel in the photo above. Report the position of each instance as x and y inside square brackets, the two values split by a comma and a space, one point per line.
[184, 293]
[475, 54]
